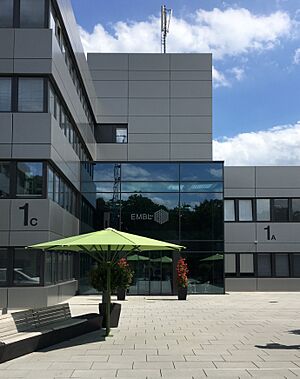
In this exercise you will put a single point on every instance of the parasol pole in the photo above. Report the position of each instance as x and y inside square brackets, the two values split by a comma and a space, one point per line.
[108, 287]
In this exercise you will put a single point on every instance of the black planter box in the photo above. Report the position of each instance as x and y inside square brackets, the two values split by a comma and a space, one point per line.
[121, 293]
[115, 310]
[182, 292]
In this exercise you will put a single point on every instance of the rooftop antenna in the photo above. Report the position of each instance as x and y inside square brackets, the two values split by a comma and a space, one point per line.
[166, 15]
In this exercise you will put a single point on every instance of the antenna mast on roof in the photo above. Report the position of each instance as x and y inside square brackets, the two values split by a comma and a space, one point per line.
[166, 15]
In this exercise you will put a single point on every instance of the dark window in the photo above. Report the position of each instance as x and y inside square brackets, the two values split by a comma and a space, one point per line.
[280, 210]
[26, 267]
[52, 101]
[296, 265]
[31, 95]
[282, 265]
[264, 265]
[263, 209]
[5, 94]
[50, 184]
[4, 179]
[6, 13]
[32, 13]
[3, 266]
[229, 210]
[295, 209]
[29, 179]
[111, 133]
[48, 276]
[201, 171]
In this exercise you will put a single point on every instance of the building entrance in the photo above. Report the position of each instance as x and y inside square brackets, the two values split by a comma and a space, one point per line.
[153, 273]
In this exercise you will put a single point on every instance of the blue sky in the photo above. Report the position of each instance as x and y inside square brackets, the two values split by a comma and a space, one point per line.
[256, 61]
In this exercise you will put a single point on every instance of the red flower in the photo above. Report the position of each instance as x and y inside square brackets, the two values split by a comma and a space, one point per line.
[182, 271]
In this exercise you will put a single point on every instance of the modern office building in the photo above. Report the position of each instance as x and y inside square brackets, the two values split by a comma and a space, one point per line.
[125, 140]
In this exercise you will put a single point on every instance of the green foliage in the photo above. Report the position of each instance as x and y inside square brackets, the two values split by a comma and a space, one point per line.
[121, 276]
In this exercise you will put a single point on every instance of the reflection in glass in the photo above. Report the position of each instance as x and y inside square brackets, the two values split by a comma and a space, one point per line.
[3, 266]
[264, 265]
[5, 94]
[245, 210]
[150, 186]
[29, 178]
[229, 210]
[295, 209]
[31, 95]
[263, 209]
[4, 179]
[205, 272]
[282, 267]
[201, 171]
[280, 210]
[104, 171]
[32, 13]
[201, 216]
[26, 267]
[201, 187]
[6, 13]
[150, 172]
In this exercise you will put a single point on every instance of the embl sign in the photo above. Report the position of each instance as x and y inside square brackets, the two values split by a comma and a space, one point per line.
[161, 216]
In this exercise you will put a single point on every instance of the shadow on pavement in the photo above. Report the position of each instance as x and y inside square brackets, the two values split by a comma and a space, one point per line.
[296, 331]
[278, 346]
[97, 336]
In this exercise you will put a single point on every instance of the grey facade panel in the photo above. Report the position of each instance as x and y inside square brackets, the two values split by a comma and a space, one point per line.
[113, 107]
[109, 75]
[149, 62]
[5, 205]
[31, 151]
[191, 89]
[5, 128]
[6, 65]
[191, 107]
[278, 177]
[7, 40]
[149, 152]
[144, 89]
[241, 284]
[191, 124]
[239, 192]
[237, 232]
[191, 151]
[239, 178]
[191, 138]
[191, 75]
[112, 152]
[33, 66]
[114, 88]
[144, 124]
[31, 128]
[191, 62]
[5, 151]
[149, 107]
[148, 138]
[149, 75]
[108, 61]
[33, 43]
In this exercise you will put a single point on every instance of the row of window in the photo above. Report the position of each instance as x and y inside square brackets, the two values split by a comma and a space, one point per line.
[35, 14]
[69, 60]
[275, 210]
[31, 94]
[61, 114]
[20, 267]
[21, 179]
[263, 265]
[23, 14]
[61, 192]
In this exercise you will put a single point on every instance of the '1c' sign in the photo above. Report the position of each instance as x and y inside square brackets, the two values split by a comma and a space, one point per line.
[33, 221]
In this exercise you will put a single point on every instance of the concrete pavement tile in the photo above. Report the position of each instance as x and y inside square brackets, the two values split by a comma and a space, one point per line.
[143, 351]
[183, 373]
[153, 365]
[165, 358]
[229, 365]
[264, 373]
[277, 364]
[88, 358]
[104, 352]
[70, 365]
[139, 373]
[204, 357]
[13, 373]
[29, 365]
[48, 374]
[112, 365]
[190, 365]
[94, 374]
[216, 373]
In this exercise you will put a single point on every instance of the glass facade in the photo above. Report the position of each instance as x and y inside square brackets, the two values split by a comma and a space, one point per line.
[177, 202]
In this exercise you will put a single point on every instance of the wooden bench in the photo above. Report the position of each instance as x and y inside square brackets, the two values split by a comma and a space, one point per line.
[26, 331]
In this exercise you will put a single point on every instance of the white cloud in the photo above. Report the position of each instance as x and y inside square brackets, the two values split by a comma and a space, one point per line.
[296, 59]
[219, 79]
[279, 145]
[229, 32]
[238, 73]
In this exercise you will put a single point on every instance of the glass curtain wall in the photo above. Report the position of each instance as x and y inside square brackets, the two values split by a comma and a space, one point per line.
[176, 202]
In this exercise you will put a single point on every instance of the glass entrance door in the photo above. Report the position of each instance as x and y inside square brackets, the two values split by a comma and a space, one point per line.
[152, 273]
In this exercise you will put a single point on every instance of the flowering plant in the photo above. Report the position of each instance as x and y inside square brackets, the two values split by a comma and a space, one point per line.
[125, 273]
[182, 271]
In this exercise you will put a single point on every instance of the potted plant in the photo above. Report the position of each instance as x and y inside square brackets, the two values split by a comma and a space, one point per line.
[98, 279]
[182, 279]
[124, 278]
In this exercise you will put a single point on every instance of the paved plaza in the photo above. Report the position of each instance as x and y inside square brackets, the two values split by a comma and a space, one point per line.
[237, 335]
